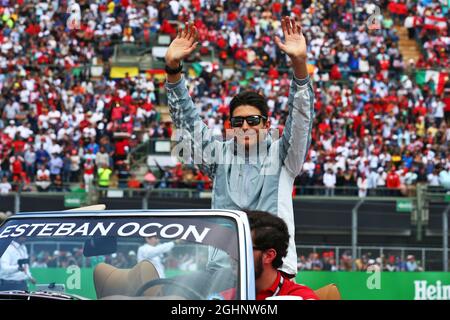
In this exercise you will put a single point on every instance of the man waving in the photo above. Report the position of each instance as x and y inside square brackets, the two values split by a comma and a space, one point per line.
[253, 170]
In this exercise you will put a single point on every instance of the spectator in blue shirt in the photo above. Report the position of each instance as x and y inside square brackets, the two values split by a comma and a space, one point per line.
[56, 164]
[93, 146]
[42, 156]
[411, 264]
[66, 168]
[401, 265]
[408, 160]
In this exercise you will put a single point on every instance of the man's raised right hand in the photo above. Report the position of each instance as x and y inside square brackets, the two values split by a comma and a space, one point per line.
[182, 46]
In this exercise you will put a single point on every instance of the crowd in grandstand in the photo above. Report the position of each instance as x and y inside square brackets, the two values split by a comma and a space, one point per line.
[328, 262]
[381, 121]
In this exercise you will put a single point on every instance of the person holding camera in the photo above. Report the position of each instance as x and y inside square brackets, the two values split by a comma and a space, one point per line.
[153, 251]
[15, 267]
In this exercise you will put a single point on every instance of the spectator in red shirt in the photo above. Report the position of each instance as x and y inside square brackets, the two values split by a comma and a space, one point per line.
[270, 242]
[133, 182]
[393, 182]
[446, 101]
[17, 168]
[88, 175]
[177, 174]
[117, 113]
[277, 8]
[273, 72]
[18, 145]
[167, 28]
[33, 29]
[335, 73]
[203, 181]
[121, 149]
[402, 10]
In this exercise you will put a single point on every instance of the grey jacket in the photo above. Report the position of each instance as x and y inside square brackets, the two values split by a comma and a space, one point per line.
[262, 183]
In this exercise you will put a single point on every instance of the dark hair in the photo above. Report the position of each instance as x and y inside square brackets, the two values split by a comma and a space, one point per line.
[270, 232]
[250, 98]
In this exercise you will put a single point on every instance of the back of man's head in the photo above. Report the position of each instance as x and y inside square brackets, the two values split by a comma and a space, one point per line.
[270, 232]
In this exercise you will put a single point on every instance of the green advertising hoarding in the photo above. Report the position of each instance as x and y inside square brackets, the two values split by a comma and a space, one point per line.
[352, 285]
[76, 198]
[404, 205]
[77, 281]
[382, 285]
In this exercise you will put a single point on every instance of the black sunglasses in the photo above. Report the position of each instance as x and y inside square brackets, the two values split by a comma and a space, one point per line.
[238, 122]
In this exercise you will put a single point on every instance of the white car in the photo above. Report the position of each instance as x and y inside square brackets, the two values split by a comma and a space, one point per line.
[92, 254]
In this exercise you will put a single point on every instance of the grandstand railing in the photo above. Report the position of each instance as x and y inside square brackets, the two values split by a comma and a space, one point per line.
[352, 192]
[190, 187]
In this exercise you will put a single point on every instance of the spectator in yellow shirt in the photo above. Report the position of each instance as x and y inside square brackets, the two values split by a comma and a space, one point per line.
[104, 177]
[111, 7]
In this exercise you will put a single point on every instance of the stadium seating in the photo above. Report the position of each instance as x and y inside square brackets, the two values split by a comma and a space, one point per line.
[380, 117]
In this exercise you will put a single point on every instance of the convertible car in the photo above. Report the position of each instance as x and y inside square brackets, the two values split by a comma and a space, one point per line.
[88, 253]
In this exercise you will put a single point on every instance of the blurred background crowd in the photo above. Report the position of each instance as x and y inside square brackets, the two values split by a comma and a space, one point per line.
[182, 259]
[326, 261]
[382, 120]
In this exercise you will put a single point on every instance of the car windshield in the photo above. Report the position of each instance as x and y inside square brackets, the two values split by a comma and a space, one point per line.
[150, 257]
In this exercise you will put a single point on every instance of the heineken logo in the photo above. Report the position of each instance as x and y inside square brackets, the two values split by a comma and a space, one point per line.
[428, 291]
